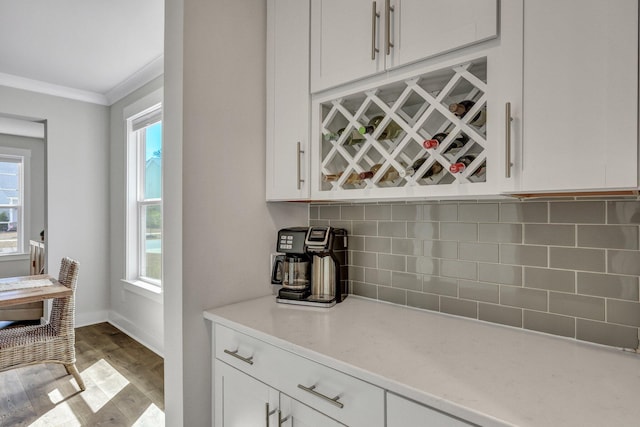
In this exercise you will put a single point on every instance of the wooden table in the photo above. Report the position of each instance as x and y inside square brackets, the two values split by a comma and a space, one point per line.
[22, 296]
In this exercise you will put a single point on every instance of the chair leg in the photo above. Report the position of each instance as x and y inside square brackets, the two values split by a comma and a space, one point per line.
[72, 370]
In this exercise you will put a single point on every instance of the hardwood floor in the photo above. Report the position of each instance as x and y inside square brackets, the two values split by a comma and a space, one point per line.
[124, 379]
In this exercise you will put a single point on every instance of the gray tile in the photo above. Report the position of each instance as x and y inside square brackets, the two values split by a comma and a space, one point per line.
[406, 247]
[550, 323]
[377, 212]
[459, 269]
[356, 273]
[394, 295]
[459, 307]
[422, 300]
[500, 273]
[329, 212]
[321, 222]
[463, 232]
[524, 212]
[553, 280]
[392, 229]
[364, 259]
[623, 262]
[347, 225]
[478, 291]
[608, 236]
[533, 299]
[355, 243]
[440, 212]
[406, 212]
[364, 290]
[423, 265]
[352, 212]
[392, 262]
[314, 212]
[440, 286]
[377, 277]
[608, 285]
[523, 255]
[577, 259]
[406, 281]
[365, 228]
[423, 230]
[499, 314]
[577, 305]
[623, 212]
[478, 212]
[440, 249]
[577, 212]
[623, 312]
[550, 234]
[500, 233]
[607, 333]
[377, 244]
[486, 252]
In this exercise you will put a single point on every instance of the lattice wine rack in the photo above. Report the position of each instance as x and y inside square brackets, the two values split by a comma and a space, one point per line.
[408, 133]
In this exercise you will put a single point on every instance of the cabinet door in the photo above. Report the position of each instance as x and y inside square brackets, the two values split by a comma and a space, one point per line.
[287, 99]
[580, 111]
[343, 34]
[406, 413]
[296, 414]
[242, 401]
[426, 28]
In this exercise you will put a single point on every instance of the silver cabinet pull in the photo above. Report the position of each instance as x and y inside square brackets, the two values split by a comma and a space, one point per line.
[312, 390]
[235, 354]
[374, 16]
[298, 154]
[282, 420]
[268, 413]
[387, 17]
[507, 139]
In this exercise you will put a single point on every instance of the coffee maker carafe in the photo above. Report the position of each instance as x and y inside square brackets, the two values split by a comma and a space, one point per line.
[293, 269]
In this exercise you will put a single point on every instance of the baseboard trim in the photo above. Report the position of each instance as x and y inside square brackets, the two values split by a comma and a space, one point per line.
[86, 319]
[124, 325]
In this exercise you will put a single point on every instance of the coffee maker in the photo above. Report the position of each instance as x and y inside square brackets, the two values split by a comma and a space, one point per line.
[320, 257]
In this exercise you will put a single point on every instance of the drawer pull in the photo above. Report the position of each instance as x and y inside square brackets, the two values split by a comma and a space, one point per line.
[313, 391]
[235, 354]
[268, 413]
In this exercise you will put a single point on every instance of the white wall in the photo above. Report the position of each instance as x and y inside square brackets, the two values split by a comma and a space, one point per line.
[19, 266]
[139, 314]
[77, 190]
[216, 108]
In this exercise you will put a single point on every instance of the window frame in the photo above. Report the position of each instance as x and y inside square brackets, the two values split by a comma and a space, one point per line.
[135, 206]
[23, 158]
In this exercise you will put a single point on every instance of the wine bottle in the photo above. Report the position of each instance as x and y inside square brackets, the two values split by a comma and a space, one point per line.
[352, 138]
[353, 178]
[435, 168]
[462, 163]
[461, 108]
[390, 132]
[390, 175]
[435, 141]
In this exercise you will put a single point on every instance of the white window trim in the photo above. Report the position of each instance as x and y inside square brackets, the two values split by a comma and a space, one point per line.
[148, 287]
[24, 232]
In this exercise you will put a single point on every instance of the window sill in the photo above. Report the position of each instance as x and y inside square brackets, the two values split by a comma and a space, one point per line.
[144, 289]
[14, 257]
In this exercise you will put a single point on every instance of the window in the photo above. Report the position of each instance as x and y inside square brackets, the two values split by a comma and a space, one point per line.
[144, 182]
[13, 168]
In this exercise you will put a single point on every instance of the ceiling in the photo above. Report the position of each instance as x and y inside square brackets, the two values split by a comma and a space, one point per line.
[92, 50]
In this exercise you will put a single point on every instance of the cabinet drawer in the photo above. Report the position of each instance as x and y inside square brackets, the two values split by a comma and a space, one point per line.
[338, 395]
[402, 412]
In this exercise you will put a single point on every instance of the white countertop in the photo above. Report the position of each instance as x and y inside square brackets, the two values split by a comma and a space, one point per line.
[485, 373]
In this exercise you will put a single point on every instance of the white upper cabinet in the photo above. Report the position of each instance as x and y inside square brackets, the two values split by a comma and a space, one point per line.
[287, 100]
[580, 97]
[358, 38]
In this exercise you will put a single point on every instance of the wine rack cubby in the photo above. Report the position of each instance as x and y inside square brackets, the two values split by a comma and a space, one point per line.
[371, 139]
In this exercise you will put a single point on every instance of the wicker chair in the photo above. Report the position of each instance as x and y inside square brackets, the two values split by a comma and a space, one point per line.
[53, 342]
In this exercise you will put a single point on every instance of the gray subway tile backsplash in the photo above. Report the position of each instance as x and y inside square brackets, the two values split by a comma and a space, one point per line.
[567, 267]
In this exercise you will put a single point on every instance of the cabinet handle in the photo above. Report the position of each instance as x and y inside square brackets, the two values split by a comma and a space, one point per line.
[374, 16]
[298, 154]
[507, 139]
[387, 17]
[268, 413]
[235, 354]
[282, 420]
[312, 390]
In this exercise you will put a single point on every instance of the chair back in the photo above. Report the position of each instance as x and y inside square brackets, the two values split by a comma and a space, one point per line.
[63, 309]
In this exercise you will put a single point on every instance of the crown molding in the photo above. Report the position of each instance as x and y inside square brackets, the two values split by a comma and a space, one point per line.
[30, 85]
[138, 79]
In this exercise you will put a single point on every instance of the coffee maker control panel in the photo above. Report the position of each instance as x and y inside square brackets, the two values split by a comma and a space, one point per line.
[291, 240]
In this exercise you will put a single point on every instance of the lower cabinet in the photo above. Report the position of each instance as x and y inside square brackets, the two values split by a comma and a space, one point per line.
[243, 401]
[402, 412]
